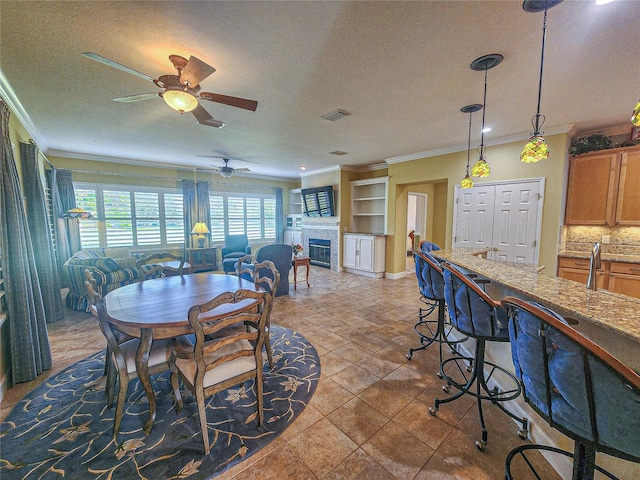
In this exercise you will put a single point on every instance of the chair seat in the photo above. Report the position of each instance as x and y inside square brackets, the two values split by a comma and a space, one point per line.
[226, 370]
[159, 354]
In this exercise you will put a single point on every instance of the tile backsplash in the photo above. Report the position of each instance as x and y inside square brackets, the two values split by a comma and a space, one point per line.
[622, 240]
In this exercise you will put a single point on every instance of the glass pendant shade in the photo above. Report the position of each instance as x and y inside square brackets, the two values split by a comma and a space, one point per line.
[481, 168]
[180, 100]
[536, 149]
[635, 118]
[466, 182]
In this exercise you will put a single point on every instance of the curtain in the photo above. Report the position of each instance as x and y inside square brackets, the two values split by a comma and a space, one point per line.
[65, 199]
[279, 216]
[40, 231]
[195, 198]
[30, 353]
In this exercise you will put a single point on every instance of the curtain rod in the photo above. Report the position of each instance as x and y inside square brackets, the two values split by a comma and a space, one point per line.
[33, 142]
[157, 177]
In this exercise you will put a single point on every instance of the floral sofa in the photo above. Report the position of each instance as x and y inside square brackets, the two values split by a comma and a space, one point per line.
[111, 267]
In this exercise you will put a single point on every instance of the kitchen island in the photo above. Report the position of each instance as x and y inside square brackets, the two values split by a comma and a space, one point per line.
[610, 320]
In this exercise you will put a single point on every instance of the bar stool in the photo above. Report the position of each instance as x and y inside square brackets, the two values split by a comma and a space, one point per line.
[576, 387]
[431, 285]
[475, 314]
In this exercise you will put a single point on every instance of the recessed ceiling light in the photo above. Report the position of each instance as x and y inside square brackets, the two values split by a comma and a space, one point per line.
[303, 167]
[486, 129]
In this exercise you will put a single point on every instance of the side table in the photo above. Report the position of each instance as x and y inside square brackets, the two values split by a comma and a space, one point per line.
[202, 259]
[296, 262]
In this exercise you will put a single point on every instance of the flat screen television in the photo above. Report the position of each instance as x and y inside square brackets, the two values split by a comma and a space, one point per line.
[318, 202]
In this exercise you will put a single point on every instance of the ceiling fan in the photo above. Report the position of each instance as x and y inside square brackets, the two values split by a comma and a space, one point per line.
[182, 91]
[226, 171]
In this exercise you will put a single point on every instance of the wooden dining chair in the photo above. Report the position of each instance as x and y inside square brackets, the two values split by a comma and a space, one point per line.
[225, 352]
[244, 266]
[155, 258]
[123, 357]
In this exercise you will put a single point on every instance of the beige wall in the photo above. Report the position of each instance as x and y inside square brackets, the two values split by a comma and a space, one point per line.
[446, 171]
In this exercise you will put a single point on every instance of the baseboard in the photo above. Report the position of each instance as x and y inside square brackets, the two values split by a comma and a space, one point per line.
[395, 276]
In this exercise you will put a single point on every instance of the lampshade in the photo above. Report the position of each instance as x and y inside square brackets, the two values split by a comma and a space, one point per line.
[77, 213]
[200, 229]
[180, 100]
[536, 148]
[635, 118]
[481, 167]
[466, 181]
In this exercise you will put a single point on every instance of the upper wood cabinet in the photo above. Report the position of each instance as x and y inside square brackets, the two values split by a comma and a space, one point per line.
[603, 188]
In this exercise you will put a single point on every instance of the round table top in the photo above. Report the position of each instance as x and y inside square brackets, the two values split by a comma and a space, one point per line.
[165, 302]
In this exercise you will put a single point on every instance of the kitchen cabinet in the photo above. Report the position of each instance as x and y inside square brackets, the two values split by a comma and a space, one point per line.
[625, 278]
[369, 205]
[364, 254]
[618, 277]
[603, 188]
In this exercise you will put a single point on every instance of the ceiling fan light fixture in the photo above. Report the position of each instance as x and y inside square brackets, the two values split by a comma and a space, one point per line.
[180, 100]
[226, 173]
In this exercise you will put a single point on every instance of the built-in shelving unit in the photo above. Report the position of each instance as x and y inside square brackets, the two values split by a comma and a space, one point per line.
[369, 205]
[295, 201]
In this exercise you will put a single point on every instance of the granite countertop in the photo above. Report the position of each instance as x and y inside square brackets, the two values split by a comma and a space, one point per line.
[607, 309]
[603, 256]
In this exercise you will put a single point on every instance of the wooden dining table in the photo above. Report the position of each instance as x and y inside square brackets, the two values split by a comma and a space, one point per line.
[158, 309]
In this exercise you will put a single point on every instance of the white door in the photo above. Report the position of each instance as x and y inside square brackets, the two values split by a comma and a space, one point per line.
[515, 222]
[503, 218]
[349, 251]
[474, 223]
[365, 253]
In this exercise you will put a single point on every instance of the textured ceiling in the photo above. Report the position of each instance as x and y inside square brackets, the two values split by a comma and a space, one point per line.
[401, 69]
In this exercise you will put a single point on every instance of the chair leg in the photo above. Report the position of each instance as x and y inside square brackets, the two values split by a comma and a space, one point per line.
[112, 377]
[202, 413]
[176, 387]
[267, 345]
[122, 395]
[259, 391]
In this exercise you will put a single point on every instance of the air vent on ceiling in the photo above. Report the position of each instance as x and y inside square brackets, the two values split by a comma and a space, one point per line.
[339, 152]
[335, 115]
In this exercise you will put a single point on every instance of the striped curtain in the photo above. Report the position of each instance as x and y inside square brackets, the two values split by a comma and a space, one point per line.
[40, 230]
[30, 353]
[195, 198]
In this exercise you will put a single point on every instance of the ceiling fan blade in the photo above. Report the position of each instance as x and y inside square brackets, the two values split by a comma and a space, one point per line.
[195, 71]
[236, 170]
[205, 118]
[136, 98]
[111, 63]
[231, 101]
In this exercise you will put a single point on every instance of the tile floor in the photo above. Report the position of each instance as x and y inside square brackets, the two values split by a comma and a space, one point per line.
[368, 418]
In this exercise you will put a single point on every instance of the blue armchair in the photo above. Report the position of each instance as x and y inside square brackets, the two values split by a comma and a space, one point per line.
[280, 254]
[235, 246]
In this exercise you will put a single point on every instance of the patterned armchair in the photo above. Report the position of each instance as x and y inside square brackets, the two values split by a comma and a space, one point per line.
[111, 268]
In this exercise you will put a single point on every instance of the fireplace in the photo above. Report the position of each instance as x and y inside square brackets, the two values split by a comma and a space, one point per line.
[320, 252]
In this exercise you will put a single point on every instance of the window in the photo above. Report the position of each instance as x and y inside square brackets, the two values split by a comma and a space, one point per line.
[237, 213]
[130, 216]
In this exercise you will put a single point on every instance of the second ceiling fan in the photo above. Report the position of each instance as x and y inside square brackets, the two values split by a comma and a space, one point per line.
[182, 91]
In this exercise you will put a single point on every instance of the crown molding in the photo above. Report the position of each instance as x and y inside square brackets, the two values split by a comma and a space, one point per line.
[334, 168]
[561, 129]
[9, 96]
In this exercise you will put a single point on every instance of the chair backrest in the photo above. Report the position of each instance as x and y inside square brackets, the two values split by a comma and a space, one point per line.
[280, 254]
[471, 310]
[244, 267]
[575, 385]
[160, 257]
[210, 325]
[426, 246]
[266, 275]
[236, 243]
[429, 274]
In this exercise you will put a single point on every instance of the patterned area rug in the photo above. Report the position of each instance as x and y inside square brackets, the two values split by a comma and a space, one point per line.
[63, 428]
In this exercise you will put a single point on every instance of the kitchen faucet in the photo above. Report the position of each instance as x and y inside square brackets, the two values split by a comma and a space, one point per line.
[594, 265]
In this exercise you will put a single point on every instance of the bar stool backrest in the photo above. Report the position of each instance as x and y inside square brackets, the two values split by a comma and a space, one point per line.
[574, 384]
[429, 274]
[471, 310]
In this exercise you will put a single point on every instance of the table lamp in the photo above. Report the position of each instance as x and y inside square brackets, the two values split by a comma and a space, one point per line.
[200, 229]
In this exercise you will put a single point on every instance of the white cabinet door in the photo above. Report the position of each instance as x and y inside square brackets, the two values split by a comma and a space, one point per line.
[349, 251]
[364, 253]
[288, 237]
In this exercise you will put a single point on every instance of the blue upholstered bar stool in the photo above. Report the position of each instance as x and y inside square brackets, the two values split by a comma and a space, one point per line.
[576, 387]
[431, 285]
[475, 314]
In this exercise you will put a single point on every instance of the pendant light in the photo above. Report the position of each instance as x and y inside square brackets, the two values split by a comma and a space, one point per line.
[481, 167]
[635, 117]
[474, 107]
[536, 148]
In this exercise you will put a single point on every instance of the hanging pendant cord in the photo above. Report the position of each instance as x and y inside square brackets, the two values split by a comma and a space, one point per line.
[536, 126]
[484, 109]
[469, 144]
